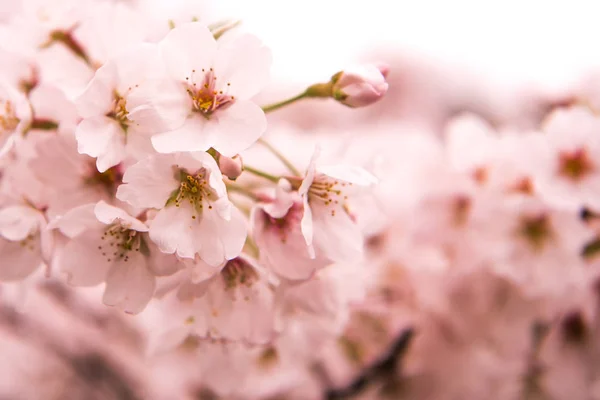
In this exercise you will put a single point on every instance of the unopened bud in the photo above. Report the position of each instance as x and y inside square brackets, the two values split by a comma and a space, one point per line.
[231, 167]
[360, 85]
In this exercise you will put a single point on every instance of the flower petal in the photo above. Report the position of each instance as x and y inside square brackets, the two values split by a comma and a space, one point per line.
[239, 127]
[129, 285]
[149, 183]
[187, 47]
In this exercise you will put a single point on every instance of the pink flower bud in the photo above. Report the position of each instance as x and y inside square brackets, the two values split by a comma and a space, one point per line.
[361, 85]
[231, 167]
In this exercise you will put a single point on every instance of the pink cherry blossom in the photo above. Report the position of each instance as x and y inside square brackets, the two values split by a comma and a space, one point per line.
[24, 242]
[328, 218]
[217, 81]
[277, 232]
[570, 174]
[117, 251]
[128, 99]
[195, 215]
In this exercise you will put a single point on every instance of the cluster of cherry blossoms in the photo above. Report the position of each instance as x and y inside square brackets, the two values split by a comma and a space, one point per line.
[258, 260]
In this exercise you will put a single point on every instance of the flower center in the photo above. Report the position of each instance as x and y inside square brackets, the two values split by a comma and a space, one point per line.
[328, 192]
[238, 272]
[285, 224]
[576, 164]
[194, 189]
[8, 118]
[461, 206]
[108, 180]
[118, 240]
[206, 94]
[536, 230]
[119, 111]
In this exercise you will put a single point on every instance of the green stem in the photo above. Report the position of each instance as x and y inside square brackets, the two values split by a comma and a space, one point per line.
[241, 190]
[281, 157]
[275, 106]
[262, 174]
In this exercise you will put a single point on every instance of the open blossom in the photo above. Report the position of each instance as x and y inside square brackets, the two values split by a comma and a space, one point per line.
[277, 232]
[328, 219]
[108, 245]
[217, 80]
[24, 241]
[235, 304]
[195, 215]
[128, 100]
[570, 176]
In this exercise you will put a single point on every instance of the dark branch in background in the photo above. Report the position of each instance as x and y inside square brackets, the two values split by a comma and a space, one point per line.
[385, 367]
[93, 375]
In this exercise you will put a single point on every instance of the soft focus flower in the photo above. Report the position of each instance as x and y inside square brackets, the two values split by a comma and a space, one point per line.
[117, 251]
[24, 241]
[195, 215]
[360, 85]
[217, 81]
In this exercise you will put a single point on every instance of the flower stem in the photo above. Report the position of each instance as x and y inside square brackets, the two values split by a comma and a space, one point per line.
[280, 156]
[241, 190]
[275, 106]
[262, 174]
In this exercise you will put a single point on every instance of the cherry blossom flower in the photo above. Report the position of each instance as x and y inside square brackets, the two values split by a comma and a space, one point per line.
[24, 242]
[236, 304]
[570, 176]
[127, 100]
[277, 233]
[328, 219]
[117, 251]
[217, 80]
[195, 215]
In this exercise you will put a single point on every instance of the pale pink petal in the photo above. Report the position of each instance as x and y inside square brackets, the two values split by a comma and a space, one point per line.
[149, 183]
[129, 285]
[18, 222]
[19, 260]
[161, 264]
[243, 62]
[337, 236]
[220, 239]
[306, 225]
[196, 134]
[101, 137]
[83, 261]
[108, 214]
[157, 106]
[239, 126]
[76, 221]
[187, 47]
[310, 172]
[97, 99]
[349, 173]
[173, 231]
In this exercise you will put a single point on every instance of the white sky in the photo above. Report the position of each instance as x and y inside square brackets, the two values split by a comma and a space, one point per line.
[515, 41]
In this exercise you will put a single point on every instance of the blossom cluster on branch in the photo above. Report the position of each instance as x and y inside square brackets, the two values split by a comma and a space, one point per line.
[135, 158]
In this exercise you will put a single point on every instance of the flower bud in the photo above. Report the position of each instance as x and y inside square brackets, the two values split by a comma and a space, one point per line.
[360, 85]
[231, 167]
